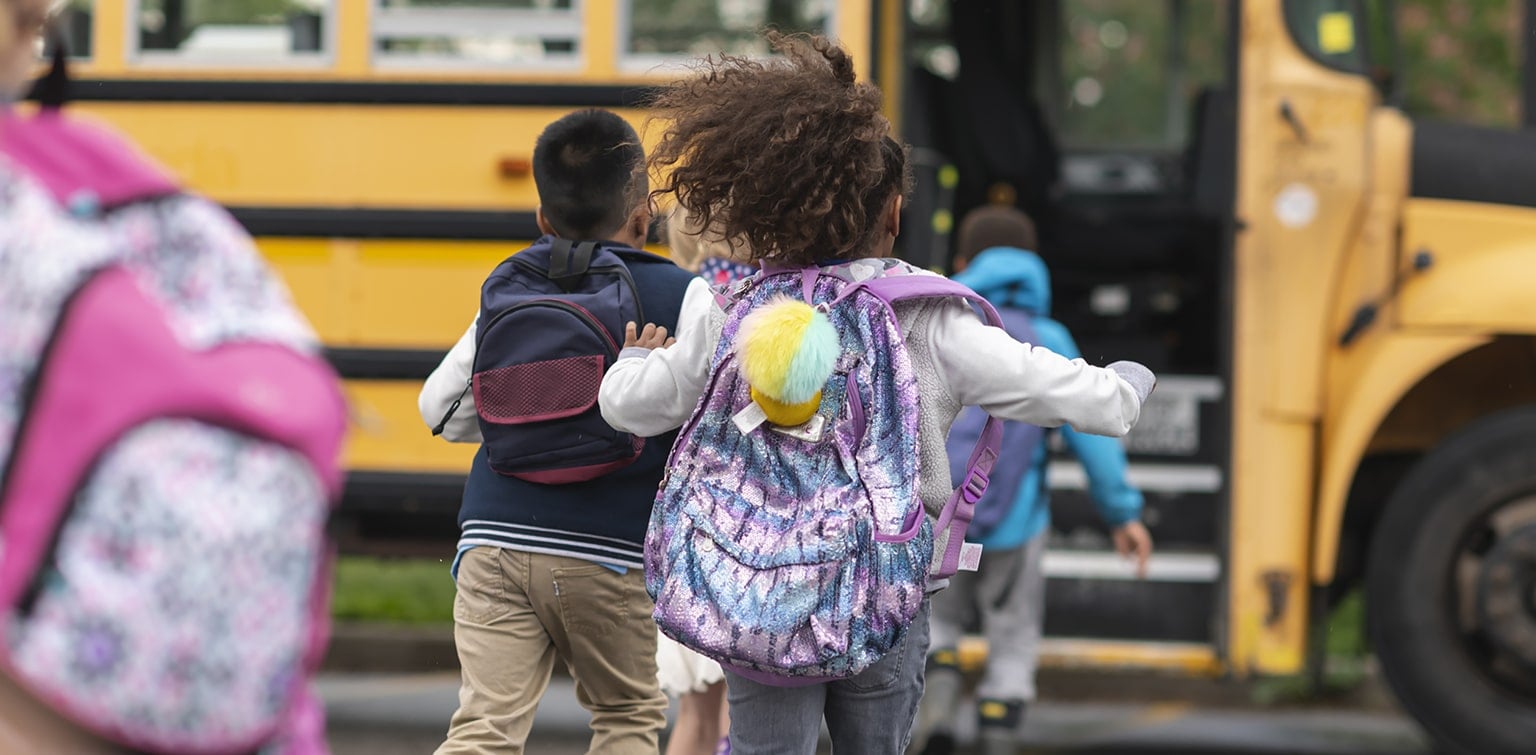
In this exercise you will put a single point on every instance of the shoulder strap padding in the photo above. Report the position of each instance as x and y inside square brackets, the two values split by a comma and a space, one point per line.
[79, 162]
[949, 534]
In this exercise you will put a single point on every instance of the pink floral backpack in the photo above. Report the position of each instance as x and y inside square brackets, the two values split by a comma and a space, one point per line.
[169, 442]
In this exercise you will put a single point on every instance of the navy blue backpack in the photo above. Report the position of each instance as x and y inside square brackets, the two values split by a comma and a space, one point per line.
[551, 324]
[1014, 456]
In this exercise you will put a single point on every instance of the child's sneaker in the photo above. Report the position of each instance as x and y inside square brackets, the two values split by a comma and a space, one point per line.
[999, 725]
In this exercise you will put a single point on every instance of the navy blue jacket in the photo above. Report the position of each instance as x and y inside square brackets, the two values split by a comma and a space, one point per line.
[601, 520]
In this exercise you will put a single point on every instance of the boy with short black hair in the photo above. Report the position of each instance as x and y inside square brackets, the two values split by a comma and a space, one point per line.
[547, 570]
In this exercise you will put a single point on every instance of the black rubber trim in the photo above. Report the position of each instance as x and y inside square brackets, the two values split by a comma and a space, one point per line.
[384, 364]
[1473, 164]
[1528, 69]
[358, 93]
[388, 223]
[399, 514]
[401, 491]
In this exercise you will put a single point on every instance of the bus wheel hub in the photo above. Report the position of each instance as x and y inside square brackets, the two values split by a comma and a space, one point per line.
[1506, 595]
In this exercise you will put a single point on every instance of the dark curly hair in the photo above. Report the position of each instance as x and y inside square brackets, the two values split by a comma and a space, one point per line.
[789, 157]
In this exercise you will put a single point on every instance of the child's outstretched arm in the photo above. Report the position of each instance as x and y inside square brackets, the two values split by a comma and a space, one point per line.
[649, 391]
[983, 366]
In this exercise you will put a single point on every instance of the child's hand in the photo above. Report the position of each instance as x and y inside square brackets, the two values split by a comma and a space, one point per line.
[1133, 541]
[1137, 374]
[653, 337]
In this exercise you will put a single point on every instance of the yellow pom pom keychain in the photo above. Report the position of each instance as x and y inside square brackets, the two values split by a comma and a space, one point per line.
[786, 350]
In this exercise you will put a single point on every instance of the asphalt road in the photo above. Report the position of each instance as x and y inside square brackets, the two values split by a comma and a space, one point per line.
[395, 715]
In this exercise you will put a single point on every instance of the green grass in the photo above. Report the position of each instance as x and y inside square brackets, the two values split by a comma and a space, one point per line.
[396, 591]
[1347, 651]
[1346, 628]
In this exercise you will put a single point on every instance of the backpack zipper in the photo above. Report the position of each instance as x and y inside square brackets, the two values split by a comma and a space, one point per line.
[576, 310]
[619, 270]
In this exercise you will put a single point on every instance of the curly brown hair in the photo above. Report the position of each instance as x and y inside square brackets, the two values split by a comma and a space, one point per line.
[789, 158]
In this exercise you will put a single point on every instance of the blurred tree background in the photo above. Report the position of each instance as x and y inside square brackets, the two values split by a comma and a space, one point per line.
[1462, 59]
[1130, 69]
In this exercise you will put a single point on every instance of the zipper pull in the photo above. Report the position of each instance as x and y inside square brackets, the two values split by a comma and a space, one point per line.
[453, 407]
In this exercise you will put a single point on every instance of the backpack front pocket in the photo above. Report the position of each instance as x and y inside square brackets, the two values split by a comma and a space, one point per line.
[538, 391]
[783, 619]
[173, 610]
[539, 418]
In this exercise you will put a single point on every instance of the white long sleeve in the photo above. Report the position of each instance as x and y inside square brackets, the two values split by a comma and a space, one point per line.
[649, 393]
[983, 366]
[445, 385]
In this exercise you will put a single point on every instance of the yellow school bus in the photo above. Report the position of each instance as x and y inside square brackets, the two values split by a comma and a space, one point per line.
[380, 151]
[1335, 294]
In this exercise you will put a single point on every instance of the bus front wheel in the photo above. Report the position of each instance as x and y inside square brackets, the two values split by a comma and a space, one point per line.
[1451, 587]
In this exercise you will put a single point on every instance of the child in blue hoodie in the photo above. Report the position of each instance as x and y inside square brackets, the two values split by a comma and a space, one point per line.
[1007, 592]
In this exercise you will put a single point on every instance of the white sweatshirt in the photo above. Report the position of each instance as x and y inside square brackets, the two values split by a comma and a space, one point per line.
[959, 360]
[446, 384]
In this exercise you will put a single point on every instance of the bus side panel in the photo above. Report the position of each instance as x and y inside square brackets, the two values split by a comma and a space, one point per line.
[303, 155]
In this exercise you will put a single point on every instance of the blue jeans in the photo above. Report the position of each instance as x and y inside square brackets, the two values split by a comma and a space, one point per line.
[868, 714]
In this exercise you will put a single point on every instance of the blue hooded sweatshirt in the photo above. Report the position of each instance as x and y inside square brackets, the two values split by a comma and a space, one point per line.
[1018, 279]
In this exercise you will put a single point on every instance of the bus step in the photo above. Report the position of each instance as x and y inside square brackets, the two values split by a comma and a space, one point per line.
[1186, 658]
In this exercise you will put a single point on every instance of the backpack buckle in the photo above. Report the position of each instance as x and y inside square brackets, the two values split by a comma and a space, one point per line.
[975, 485]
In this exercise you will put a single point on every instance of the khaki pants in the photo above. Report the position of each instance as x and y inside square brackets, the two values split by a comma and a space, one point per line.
[514, 613]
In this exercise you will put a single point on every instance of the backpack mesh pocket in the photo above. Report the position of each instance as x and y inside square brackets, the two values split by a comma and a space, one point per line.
[538, 391]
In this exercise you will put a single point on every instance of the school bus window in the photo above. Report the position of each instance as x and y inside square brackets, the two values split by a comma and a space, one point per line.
[661, 30]
[478, 33]
[250, 30]
[1132, 70]
[1329, 31]
[74, 28]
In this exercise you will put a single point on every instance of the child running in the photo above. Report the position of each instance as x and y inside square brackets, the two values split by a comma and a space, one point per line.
[1006, 594]
[792, 160]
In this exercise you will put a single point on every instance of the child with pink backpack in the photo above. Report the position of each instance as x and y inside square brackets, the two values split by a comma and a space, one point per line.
[169, 442]
[808, 513]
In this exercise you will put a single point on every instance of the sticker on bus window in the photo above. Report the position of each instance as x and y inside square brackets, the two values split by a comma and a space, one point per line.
[1336, 32]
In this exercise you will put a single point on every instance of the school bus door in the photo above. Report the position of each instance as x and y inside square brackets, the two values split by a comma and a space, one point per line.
[1111, 123]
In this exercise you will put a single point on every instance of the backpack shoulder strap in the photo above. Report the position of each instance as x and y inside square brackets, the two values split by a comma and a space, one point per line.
[569, 260]
[949, 538]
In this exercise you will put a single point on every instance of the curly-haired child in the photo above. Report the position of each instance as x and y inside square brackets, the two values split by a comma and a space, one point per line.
[792, 158]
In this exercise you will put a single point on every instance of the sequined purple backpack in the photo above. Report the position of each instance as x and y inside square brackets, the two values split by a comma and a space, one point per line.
[796, 555]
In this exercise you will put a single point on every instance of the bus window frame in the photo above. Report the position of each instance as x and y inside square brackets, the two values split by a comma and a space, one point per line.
[660, 64]
[137, 57]
[59, 33]
[383, 61]
[1357, 15]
